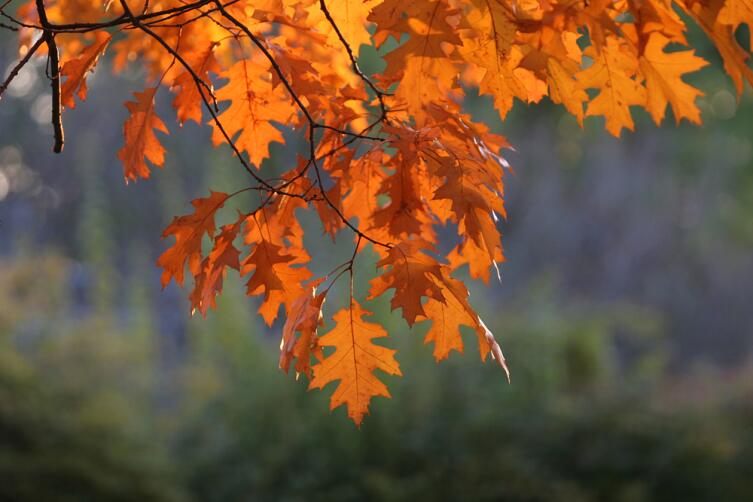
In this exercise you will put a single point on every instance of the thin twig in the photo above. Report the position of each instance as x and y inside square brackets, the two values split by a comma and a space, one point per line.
[120, 20]
[354, 63]
[20, 65]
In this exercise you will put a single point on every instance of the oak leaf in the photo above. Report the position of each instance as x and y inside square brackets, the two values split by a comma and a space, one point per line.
[454, 311]
[305, 317]
[664, 84]
[140, 141]
[256, 105]
[565, 89]
[737, 12]
[423, 66]
[735, 58]
[412, 273]
[209, 279]
[351, 18]
[354, 361]
[189, 230]
[273, 276]
[613, 74]
[75, 70]
[188, 102]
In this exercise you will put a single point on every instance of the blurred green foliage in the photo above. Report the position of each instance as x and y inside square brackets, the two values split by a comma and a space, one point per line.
[76, 418]
[88, 411]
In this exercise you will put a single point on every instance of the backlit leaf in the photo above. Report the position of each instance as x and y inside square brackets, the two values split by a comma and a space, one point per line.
[353, 362]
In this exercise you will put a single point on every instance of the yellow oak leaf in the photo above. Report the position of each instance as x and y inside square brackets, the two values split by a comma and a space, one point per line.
[565, 89]
[664, 84]
[737, 12]
[612, 73]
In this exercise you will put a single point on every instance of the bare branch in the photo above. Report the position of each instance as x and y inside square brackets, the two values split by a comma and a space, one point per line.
[54, 66]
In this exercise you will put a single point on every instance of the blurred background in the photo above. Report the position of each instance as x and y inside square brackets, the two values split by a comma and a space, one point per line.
[624, 311]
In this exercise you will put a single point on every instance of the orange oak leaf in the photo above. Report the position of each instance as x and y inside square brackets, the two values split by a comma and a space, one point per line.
[719, 29]
[664, 84]
[424, 65]
[273, 276]
[412, 274]
[364, 177]
[737, 12]
[449, 314]
[463, 158]
[305, 318]
[354, 361]
[278, 223]
[209, 279]
[477, 258]
[75, 70]
[256, 103]
[189, 230]
[188, 102]
[504, 78]
[447, 317]
[140, 141]
[660, 16]
[406, 212]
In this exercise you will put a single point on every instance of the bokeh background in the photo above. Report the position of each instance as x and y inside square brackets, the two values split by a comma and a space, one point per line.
[624, 311]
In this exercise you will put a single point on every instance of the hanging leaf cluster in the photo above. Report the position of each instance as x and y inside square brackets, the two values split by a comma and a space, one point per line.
[391, 158]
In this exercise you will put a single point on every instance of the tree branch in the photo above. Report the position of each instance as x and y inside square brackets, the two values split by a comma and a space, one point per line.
[54, 66]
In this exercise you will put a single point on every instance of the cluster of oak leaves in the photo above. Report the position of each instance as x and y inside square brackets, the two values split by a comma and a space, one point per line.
[392, 156]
